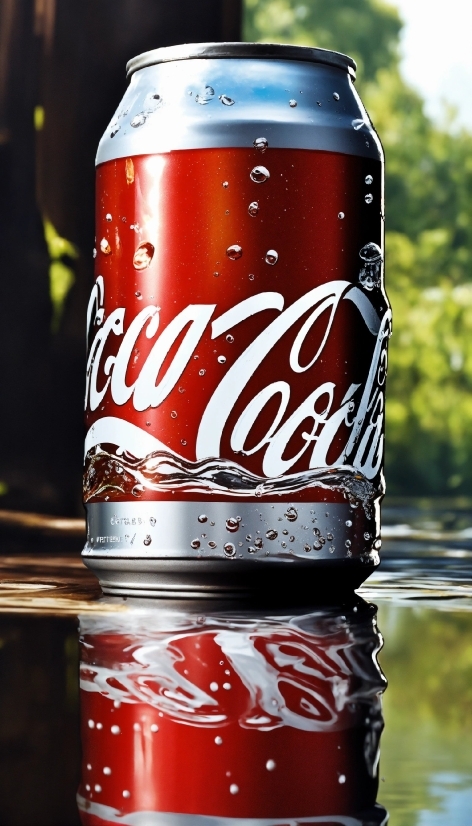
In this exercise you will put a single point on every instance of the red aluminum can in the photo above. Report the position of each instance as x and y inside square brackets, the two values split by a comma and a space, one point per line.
[237, 327]
[231, 719]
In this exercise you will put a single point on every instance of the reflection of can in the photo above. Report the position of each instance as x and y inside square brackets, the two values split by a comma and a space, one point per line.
[241, 717]
[237, 348]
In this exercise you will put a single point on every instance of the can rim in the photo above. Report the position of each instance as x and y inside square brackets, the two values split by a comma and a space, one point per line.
[276, 51]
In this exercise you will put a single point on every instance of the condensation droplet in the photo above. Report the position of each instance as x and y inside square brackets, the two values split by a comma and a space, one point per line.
[115, 730]
[291, 514]
[332, 549]
[329, 536]
[229, 339]
[251, 277]
[206, 96]
[342, 778]
[218, 740]
[226, 101]
[317, 545]
[115, 129]
[173, 414]
[348, 523]
[271, 257]
[138, 294]
[253, 208]
[234, 789]
[368, 179]
[212, 544]
[138, 120]
[152, 520]
[148, 540]
[366, 536]
[261, 144]
[335, 96]
[225, 184]
[232, 524]
[270, 765]
[348, 543]
[291, 539]
[378, 544]
[221, 359]
[94, 253]
[271, 534]
[154, 728]
[251, 550]
[358, 123]
[227, 686]
[195, 544]
[292, 103]
[105, 247]
[108, 217]
[213, 686]
[259, 174]
[369, 198]
[126, 793]
[91, 724]
[97, 788]
[203, 518]
[340, 215]
[183, 442]
[216, 274]
[202, 372]
[229, 550]
[234, 252]
[143, 256]
[106, 770]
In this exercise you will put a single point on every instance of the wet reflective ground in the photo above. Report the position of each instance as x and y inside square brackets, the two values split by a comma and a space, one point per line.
[292, 694]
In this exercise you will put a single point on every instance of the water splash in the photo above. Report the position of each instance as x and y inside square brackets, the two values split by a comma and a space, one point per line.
[166, 471]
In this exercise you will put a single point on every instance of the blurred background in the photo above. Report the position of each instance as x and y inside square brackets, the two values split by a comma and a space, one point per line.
[62, 74]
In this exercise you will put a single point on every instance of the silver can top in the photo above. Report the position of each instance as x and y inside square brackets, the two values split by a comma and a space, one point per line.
[216, 95]
[264, 51]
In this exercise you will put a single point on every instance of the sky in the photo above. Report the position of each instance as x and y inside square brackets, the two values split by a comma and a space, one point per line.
[437, 54]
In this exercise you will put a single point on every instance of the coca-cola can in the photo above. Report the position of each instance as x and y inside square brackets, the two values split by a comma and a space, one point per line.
[231, 718]
[237, 327]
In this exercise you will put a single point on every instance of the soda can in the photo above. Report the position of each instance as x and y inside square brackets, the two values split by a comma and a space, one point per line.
[237, 327]
[232, 718]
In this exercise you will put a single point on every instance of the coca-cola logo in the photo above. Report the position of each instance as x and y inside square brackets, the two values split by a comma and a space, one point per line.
[361, 410]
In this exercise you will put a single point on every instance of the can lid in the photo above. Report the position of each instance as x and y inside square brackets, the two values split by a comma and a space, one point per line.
[266, 51]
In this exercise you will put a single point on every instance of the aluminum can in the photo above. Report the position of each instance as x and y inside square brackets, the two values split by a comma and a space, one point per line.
[237, 327]
[233, 718]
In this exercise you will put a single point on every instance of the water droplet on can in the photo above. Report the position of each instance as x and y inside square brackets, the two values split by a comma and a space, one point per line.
[348, 543]
[251, 276]
[342, 778]
[253, 208]
[229, 338]
[369, 198]
[148, 540]
[203, 518]
[105, 247]
[225, 184]
[291, 514]
[348, 523]
[251, 550]
[271, 534]
[366, 536]
[317, 545]
[173, 414]
[292, 103]
[335, 96]
[261, 144]
[206, 96]
[221, 359]
[216, 274]
[232, 524]
[234, 789]
[368, 179]
[138, 294]
[271, 257]
[143, 256]
[226, 101]
[94, 253]
[108, 217]
[139, 120]
[340, 215]
[195, 543]
[358, 123]
[229, 549]
[129, 170]
[115, 730]
[234, 252]
[270, 765]
[212, 544]
[126, 793]
[259, 174]
[202, 372]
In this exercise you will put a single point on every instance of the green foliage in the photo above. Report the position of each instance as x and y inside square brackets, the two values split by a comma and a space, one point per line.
[61, 275]
[365, 29]
[428, 241]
